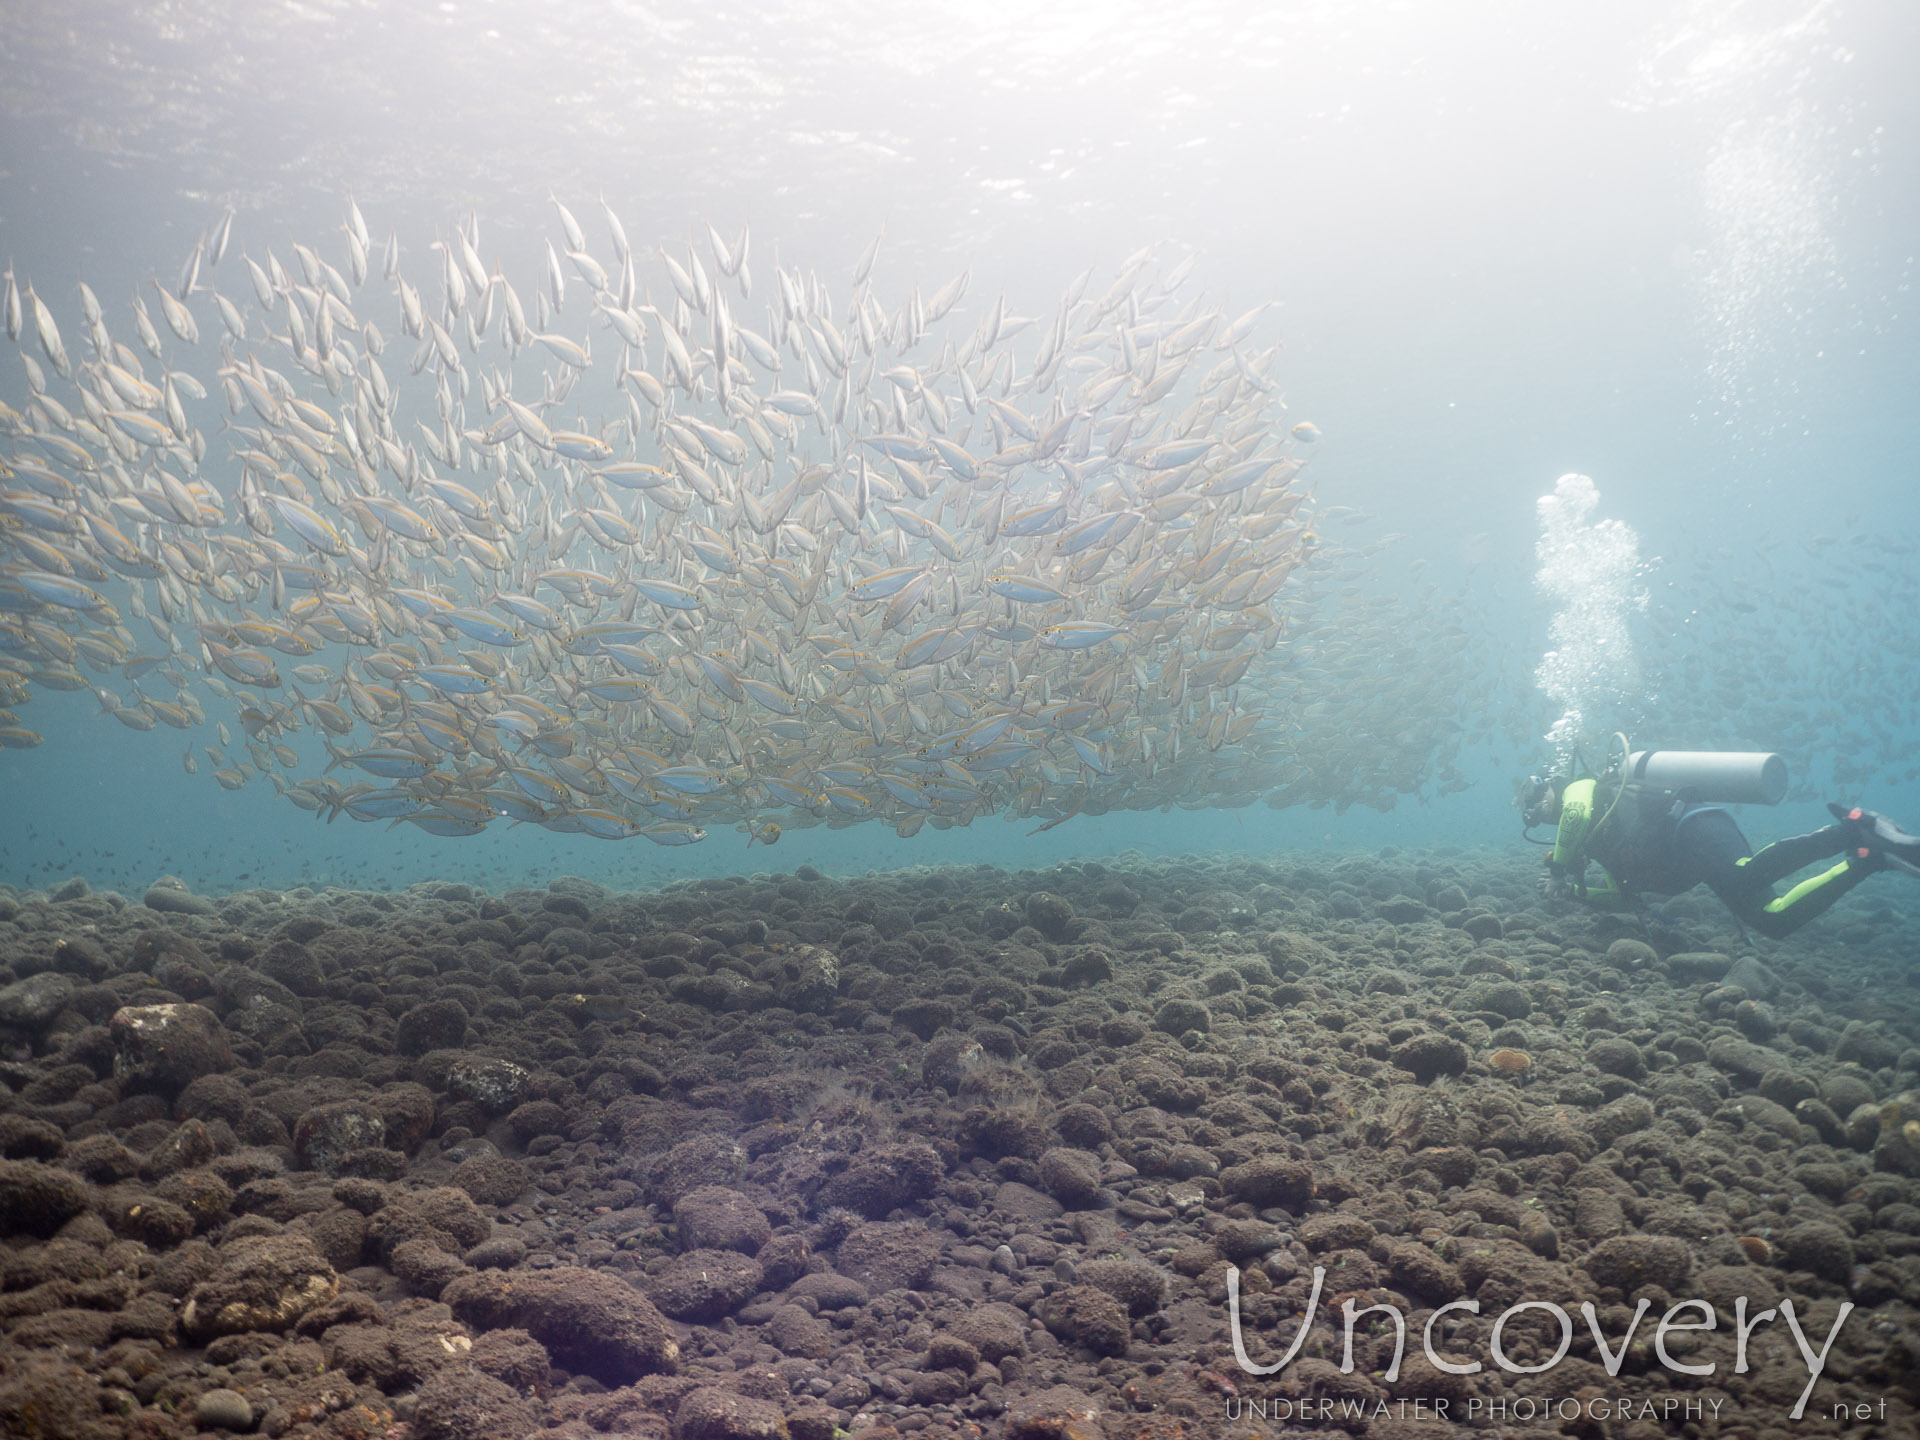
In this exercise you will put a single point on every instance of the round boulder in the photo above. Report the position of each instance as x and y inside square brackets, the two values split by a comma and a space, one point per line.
[223, 1409]
[1502, 997]
[1427, 1057]
[590, 1321]
[490, 1179]
[1071, 1176]
[1050, 915]
[995, 1329]
[1138, 1287]
[884, 1178]
[460, 1405]
[1085, 1315]
[705, 1285]
[1612, 1055]
[1178, 1016]
[38, 1199]
[262, 1282]
[327, 1134]
[716, 1218]
[495, 1085]
[1085, 1127]
[436, 1025]
[165, 1048]
[1824, 1249]
[711, 1413]
[29, 1004]
[795, 1332]
[1269, 1180]
[888, 1257]
[172, 897]
[1628, 1262]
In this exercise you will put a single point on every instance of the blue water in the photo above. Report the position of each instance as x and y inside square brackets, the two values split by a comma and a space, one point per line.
[1668, 247]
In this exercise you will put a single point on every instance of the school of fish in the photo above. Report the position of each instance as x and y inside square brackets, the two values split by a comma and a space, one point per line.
[598, 556]
[1791, 645]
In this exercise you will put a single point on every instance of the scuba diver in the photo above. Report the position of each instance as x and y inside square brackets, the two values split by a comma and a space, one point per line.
[1654, 822]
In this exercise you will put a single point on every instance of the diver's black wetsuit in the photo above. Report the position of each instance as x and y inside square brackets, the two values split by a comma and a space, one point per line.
[1655, 844]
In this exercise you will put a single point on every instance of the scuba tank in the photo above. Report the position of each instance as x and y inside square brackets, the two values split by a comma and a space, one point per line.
[1712, 777]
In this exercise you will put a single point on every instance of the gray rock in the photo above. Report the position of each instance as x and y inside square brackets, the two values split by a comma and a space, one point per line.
[491, 1179]
[457, 1404]
[1503, 997]
[437, 1025]
[829, 1291]
[1083, 1315]
[324, 1136]
[171, 896]
[704, 1285]
[164, 1048]
[1483, 926]
[1690, 967]
[889, 1256]
[1823, 1249]
[426, 1268]
[1270, 1179]
[1863, 1131]
[1750, 975]
[1071, 1176]
[1428, 1056]
[22, 1137]
[716, 1218]
[794, 1332]
[1866, 1045]
[1179, 1015]
[1847, 1093]
[1785, 1087]
[1628, 1262]
[1050, 915]
[1138, 1287]
[1612, 1055]
[81, 957]
[884, 1178]
[1740, 1057]
[945, 1063]
[1821, 1117]
[711, 1413]
[1625, 1116]
[1628, 954]
[502, 1252]
[592, 1322]
[29, 1004]
[1402, 910]
[38, 1199]
[223, 1410]
[1889, 1129]
[807, 979]
[245, 988]
[1059, 1411]
[498, 1085]
[1092, 967]
[262, 1282]
[995, 1329]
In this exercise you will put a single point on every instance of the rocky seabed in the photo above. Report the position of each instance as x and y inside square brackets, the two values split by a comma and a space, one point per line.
[953, 1151]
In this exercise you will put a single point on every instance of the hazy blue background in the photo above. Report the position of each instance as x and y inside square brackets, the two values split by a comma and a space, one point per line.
[1668, 245]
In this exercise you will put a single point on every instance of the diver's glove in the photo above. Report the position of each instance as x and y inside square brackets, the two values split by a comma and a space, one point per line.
[1554, 887]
